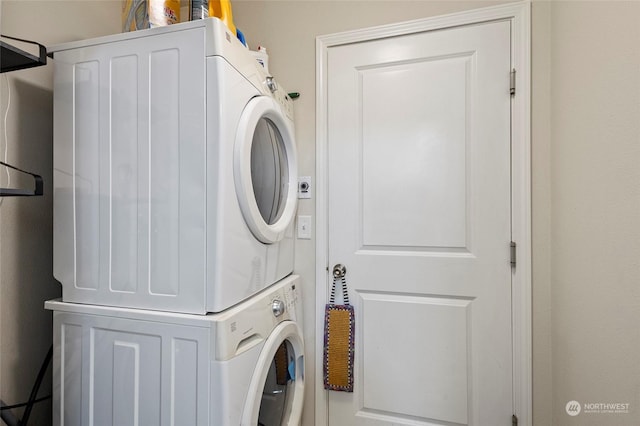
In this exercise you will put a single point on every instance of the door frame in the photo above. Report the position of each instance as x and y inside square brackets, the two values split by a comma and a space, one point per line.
[519, 14]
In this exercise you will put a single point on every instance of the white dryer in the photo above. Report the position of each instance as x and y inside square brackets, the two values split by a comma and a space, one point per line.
[175, 174]
[123, 366]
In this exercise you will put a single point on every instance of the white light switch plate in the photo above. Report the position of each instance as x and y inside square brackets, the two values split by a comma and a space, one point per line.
[304, 227]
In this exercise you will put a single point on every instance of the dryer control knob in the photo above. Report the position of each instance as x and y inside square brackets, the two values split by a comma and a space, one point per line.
[277, 307]
[271, 84]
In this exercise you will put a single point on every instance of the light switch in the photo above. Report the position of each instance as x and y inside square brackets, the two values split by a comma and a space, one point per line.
[304, 227]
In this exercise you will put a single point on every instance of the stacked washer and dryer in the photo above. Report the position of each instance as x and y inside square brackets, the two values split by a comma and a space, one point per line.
[175, 191]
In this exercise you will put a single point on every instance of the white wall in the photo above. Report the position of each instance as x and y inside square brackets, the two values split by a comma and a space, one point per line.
[26, 279]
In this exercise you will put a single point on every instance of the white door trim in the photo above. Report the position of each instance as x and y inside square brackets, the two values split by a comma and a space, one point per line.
[520, 16]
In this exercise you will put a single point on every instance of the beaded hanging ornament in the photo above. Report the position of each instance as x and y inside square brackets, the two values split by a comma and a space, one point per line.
[339, 330]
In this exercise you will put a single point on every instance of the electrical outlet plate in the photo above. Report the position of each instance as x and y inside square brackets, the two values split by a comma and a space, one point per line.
[304, 187]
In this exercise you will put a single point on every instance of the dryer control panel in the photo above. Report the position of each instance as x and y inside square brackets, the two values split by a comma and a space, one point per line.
[280, 95]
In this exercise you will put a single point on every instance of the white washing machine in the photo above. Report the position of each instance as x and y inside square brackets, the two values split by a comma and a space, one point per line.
[120, 366]
[174, 170]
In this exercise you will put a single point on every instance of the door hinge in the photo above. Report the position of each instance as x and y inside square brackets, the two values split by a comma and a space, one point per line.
[514, 420]
[513, 253]
[512, 82]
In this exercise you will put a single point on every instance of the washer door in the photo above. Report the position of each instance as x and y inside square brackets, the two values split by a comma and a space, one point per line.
[276, 391]
[265, 169]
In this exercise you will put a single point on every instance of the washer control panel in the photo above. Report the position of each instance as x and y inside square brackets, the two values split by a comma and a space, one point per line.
[249, 323]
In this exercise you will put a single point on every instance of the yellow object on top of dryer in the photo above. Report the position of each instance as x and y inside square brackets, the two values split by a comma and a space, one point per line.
[222, 9]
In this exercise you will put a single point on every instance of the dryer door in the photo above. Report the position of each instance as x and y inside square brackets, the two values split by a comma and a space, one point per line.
[276, 392]
[265, 169]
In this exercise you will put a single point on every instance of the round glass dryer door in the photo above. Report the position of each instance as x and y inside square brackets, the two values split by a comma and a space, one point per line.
[265, 169]
[276, 393]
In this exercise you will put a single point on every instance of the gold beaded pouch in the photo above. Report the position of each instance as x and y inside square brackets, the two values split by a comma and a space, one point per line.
[339, 330]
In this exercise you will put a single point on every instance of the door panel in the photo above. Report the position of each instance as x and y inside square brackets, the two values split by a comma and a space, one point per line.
[439, 348]
[432, 163]
[419, 212]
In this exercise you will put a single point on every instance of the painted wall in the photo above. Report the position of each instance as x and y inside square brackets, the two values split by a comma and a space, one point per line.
[595, 209]
[26, 279]
[541, 212]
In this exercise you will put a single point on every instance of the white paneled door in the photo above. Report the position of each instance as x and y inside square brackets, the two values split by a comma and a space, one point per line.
[420, 214]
